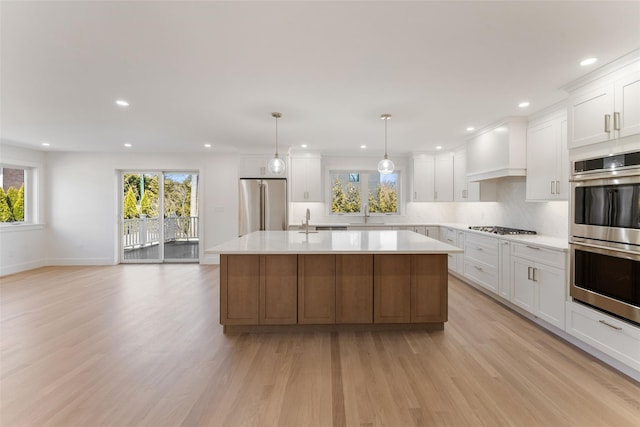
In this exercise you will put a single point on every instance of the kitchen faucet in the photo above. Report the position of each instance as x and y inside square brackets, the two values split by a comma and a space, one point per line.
[306, 223]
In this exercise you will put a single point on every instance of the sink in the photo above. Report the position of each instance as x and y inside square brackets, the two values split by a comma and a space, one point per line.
[307, 232]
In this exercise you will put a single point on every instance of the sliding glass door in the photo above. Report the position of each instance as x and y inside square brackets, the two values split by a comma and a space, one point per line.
[159, 217]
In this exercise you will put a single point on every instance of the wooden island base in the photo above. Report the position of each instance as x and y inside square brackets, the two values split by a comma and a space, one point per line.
[311, 292]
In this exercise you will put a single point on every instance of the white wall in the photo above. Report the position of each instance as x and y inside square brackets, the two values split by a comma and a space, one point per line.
[84, 203]
[23, 247]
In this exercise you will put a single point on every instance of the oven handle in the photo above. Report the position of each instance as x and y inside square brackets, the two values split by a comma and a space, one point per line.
[606, 250]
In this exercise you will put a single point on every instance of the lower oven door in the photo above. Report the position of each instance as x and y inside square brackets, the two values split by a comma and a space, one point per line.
[606, 278]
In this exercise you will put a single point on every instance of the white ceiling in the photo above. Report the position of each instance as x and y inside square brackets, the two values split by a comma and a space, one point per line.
[212, 72]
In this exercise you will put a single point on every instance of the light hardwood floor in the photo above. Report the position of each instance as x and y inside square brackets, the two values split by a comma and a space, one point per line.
[141, 345]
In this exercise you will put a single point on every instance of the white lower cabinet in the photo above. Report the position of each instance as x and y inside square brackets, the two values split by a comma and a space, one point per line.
[538, 282]
[456, 238]
[481, 260]
[616, 338]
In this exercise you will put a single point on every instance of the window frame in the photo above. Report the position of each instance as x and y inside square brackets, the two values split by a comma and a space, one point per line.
[33, 185]
[364, 192]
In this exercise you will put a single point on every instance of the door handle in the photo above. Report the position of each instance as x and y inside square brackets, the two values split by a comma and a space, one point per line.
[607, 123]
[616, 121]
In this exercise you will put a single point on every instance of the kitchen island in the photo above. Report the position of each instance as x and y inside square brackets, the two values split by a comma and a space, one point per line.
[333, 280]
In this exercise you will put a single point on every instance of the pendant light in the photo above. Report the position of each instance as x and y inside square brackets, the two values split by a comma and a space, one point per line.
[385, 166]
[276, 165]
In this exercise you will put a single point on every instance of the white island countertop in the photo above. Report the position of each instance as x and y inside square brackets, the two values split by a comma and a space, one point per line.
[334, 242]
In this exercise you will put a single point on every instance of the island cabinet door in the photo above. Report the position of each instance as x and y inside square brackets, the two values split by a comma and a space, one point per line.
[239, 283]
[278, 289]
[316, 289]
[354, 288]
[429, 286]
[392, 288]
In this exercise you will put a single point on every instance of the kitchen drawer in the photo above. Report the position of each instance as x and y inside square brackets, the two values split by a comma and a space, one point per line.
[538, 254]
[614, 337]
[482, 274]
[488, 242]
[481, 254]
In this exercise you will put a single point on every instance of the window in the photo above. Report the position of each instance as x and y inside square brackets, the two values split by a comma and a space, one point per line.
[352, 191]
[12, 194]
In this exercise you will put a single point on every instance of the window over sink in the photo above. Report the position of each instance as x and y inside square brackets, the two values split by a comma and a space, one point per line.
[353, 192]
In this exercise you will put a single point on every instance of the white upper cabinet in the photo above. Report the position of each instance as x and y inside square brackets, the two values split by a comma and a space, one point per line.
[433, 177]
[424, 178]
[465, 191]
[548, 158]
[498, 151]
[255, 166]
[444, 177]
[306, 179]
[607, 108]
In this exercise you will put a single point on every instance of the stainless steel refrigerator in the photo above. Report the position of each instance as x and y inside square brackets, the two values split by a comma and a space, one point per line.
[263, 205]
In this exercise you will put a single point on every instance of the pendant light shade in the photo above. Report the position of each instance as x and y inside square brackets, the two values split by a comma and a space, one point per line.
[276, 165]
[385, 166]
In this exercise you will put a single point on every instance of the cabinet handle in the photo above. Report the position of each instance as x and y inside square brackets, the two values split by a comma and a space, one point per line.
[607, 123]
[557, 187]
[263, 170]
[535, 274]
[465, 194]
[479, 248]
[415, 195]
[553, 187]
[616, 121]
[435, 195]
[529, 272]
[604, 322]
[477, 268]
[532, 247]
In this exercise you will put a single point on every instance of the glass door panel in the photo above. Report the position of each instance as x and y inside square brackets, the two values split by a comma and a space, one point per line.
[181, 238]
[140, 216]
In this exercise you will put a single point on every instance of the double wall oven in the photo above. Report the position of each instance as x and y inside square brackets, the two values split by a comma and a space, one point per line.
[605, 234]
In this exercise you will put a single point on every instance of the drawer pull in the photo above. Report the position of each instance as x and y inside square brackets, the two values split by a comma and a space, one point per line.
[617, 328]
[532, 247]
[479, 248]
[477, 268]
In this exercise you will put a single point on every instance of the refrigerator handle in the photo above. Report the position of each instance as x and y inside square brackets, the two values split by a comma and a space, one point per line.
[262, 206]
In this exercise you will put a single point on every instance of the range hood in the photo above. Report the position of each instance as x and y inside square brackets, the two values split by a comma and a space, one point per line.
[498, 151]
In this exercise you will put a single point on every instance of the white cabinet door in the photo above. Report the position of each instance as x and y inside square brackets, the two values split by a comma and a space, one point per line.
[423, 179]
[587, 116]
[443, 177]
[550, 284]
[523, 290]
[627, 99]
[547, 160]
[433, 232]
[306, 179]
[542, 148]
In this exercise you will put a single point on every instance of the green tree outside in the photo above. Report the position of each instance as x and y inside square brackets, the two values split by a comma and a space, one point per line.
[18, 205]
[145, 204]
[6, 215]
[12, 196]
[130, 207]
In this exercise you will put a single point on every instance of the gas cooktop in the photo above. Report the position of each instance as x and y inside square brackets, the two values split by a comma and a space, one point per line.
[500, 230]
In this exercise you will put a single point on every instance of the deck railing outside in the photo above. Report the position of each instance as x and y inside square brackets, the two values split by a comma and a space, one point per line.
[143, 231]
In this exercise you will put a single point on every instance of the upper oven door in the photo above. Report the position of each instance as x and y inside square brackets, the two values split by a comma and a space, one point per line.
[606, 209]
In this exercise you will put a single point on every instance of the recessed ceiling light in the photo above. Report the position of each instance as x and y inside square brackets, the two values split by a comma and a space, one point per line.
[523, 104]
[45, 144]
[126, 144]
[438, 147]
[303, 145]
[207, 145]
[470, 129]
[588, 61]
[363, 146]
[122, 103]
[501, 129]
